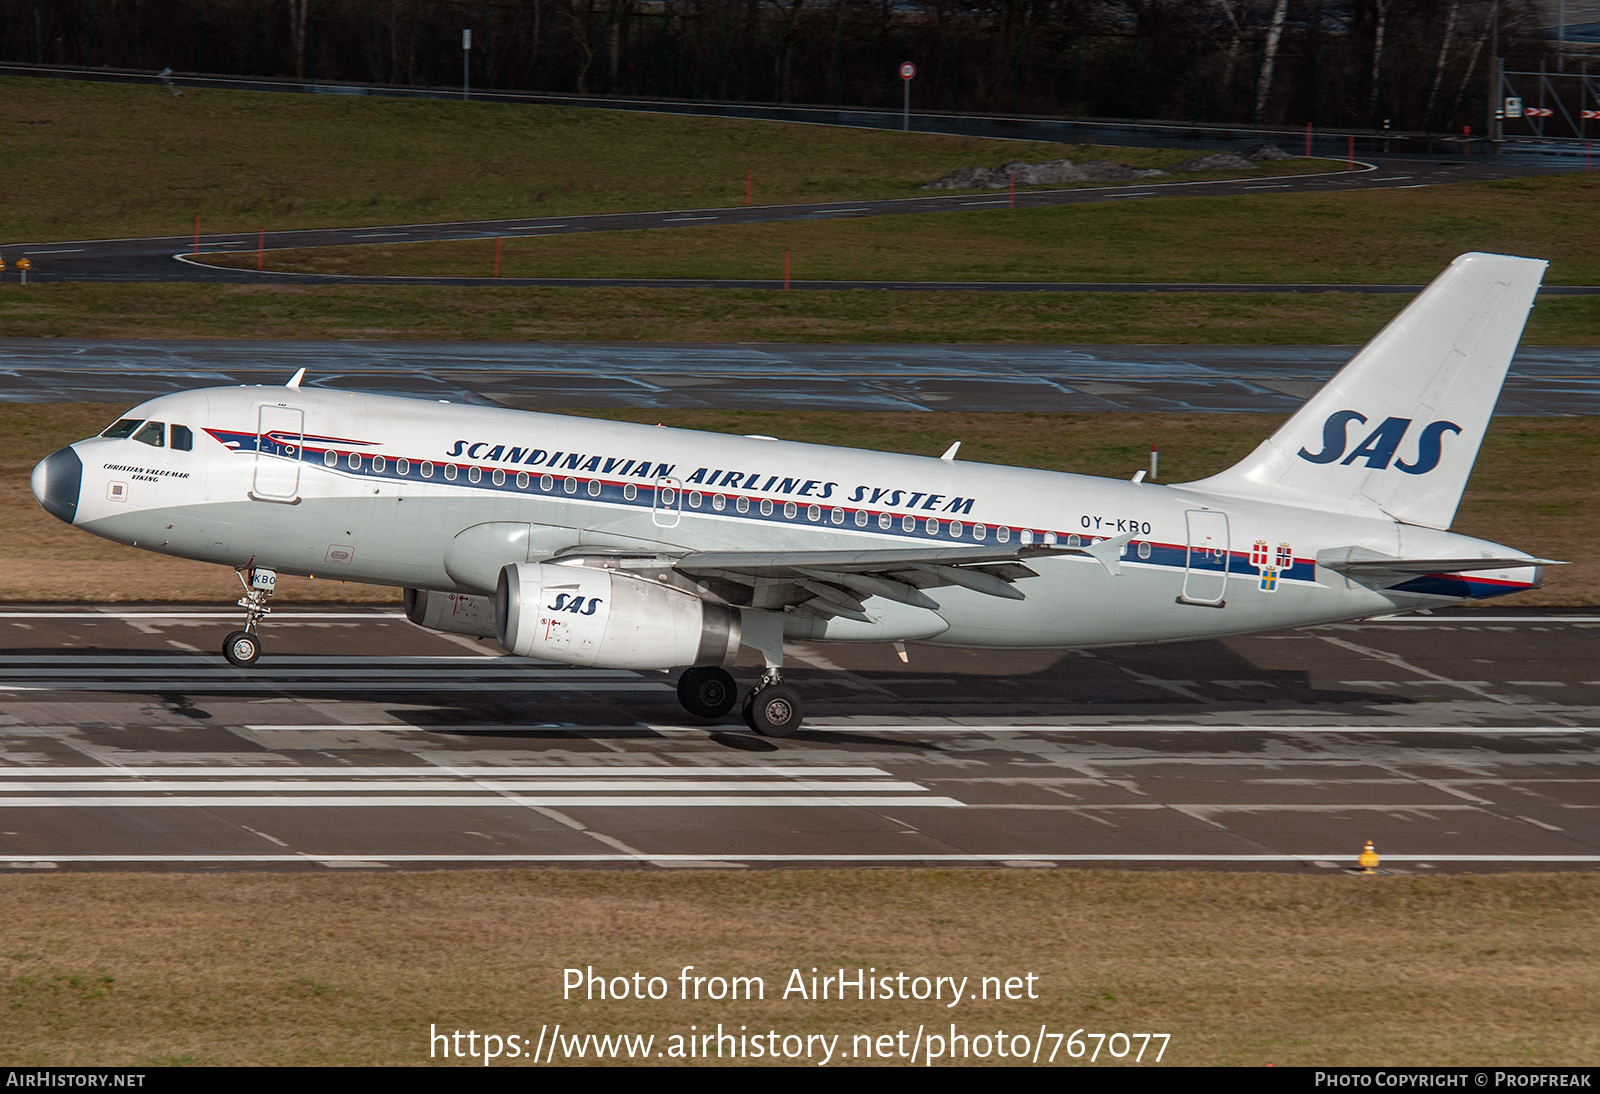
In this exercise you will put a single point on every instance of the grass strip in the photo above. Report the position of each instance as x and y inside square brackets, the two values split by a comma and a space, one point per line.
[1355, 237]
[91, 160]
[469, 313]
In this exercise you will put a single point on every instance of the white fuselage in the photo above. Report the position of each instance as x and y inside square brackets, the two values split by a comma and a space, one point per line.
[405, 492]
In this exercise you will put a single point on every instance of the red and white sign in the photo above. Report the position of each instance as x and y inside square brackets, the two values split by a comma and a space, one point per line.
[907, 70]
[1537, 111]
[1592, 115]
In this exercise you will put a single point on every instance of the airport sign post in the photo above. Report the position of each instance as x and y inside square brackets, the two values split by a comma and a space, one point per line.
[466, 54]
[907, 72]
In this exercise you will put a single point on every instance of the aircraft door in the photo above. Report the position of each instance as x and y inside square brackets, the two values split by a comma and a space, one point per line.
[279, 434]
[668, 502]
[1205, 572]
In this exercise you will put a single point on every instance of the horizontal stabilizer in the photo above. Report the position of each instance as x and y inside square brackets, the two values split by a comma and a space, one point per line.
[1355, 561]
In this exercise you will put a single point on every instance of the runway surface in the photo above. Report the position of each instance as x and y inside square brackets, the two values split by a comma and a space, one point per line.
[1454, 742]
[554, 376]
[183, 257]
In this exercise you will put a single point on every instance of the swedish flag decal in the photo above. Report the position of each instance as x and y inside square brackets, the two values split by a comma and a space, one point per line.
[1269, 579]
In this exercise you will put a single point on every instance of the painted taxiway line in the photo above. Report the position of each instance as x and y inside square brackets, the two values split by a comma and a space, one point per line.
[1340, 860]
[485, 800]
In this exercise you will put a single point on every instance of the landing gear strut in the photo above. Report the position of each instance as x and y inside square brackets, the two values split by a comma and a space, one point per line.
[707, 692]
[773, 708]
[243, 647]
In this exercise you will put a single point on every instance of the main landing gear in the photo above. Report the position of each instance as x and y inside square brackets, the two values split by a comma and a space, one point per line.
[243, 647]
[772, 709]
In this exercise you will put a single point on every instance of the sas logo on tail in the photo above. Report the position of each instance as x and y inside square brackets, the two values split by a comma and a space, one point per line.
[1379, 447]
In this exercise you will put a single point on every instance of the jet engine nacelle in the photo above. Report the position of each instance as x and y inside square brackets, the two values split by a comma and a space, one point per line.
[455, 613]
[586, 616]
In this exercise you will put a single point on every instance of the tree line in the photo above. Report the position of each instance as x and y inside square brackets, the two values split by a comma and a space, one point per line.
[1415, 64]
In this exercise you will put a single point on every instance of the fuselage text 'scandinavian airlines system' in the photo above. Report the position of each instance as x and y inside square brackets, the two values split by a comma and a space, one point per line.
[630, 546]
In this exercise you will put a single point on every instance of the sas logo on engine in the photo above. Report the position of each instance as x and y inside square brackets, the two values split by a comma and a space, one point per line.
[1379, 446]
[577, 605]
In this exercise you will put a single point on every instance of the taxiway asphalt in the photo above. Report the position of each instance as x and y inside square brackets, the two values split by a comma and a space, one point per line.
[1455, 742]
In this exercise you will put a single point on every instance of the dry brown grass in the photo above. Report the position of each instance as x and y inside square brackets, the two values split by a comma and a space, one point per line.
[1240, 969]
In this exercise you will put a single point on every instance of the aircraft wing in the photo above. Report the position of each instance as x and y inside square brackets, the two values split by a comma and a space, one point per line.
[836, 582]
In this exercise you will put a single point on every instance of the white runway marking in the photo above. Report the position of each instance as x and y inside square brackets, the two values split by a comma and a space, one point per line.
[462, 770]
[459, 788]
[244, 684]
[277, 615]
[485, 801]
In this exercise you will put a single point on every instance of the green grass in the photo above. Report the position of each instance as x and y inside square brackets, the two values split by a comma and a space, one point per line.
[86, 160]
[1385, 236]
[682, 315]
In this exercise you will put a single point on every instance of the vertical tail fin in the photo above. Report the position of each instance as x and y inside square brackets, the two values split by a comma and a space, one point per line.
[1397, 430]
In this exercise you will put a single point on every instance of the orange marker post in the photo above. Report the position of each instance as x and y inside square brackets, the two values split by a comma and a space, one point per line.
[261, 248]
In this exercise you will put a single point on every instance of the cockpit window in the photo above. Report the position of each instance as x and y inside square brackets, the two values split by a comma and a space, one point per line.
[151, 434]
[123, 428]
[182, 438]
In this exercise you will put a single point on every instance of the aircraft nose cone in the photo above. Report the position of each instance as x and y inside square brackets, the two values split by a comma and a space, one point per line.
[55, 483]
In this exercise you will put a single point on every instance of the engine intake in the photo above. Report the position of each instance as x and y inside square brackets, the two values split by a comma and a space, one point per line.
[580, 615]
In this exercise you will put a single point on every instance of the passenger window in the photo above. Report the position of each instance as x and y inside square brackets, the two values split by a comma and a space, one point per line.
[122, 429]
[182, 438]
[153, 434]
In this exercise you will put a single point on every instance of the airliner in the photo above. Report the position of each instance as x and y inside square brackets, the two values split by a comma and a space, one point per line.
[629, 546]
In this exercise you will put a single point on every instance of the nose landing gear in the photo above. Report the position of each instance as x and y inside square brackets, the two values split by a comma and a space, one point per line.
[243, 647]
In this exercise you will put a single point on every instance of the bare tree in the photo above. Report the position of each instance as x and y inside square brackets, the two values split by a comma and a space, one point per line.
[1377, 60]
[1438, 69]
[1270, 55]
[297, 35]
